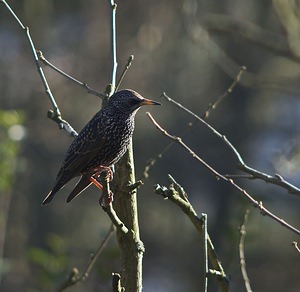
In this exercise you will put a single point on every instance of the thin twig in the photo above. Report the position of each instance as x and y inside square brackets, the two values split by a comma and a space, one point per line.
[205, 115]
[198, 223]
[229, 90]
[295, 244]
[205, 252]
[276, 179]
[249, 31]
[128, 65]
[55, 114]
[178, 188]
[113, 44]
[242, 253]
[74, 277]
[84, 85]
[108, 208]
[116, 283]
[255, 203]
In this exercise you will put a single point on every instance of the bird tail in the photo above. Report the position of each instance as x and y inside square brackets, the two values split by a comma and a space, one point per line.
[59, 185]
[62, 179]
[82, 184]
[50, 196]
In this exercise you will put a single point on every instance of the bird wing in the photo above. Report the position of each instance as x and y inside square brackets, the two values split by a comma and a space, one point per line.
[79, 156]
[83, 149]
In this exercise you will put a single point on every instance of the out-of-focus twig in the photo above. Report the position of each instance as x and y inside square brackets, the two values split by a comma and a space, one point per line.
[75, 277]
[255, 203]
[242, 252]
[287, 12]
[228, 65]
[247, 30]
[205, 115]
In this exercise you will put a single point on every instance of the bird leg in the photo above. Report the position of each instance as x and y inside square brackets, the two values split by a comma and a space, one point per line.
[96, 183]
[103, 201]
[100, 169]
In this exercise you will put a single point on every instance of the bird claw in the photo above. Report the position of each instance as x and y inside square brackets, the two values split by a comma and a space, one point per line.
[105, 201]
[104, 168]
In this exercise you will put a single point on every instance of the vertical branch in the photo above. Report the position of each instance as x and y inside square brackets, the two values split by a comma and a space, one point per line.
[113, 44]
[131, 247]
[204, 216]
[242, 253]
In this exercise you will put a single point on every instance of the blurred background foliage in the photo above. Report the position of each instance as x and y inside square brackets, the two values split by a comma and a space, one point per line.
[173, 54]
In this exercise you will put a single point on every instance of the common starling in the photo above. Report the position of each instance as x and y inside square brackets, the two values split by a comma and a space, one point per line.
[101, 143]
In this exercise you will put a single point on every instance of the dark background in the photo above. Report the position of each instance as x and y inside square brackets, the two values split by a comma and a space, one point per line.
[42, 244]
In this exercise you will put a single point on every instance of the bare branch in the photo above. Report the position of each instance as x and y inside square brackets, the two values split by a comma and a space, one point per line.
[205, 252]
[255, 203]
[277, 179]
[131, 247]
[84, 85]
[128, 65]
[55, 115]
[205, 115]
[295, 244]
[229, 90]
[198, 222]
[242, 253]
[116, 283]
[113, 45]
[74, 277]
[108, 208]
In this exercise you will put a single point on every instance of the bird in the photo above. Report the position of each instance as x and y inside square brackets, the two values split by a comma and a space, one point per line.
[100, 144]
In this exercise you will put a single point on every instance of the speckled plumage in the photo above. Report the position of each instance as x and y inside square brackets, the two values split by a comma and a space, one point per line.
[102, 142]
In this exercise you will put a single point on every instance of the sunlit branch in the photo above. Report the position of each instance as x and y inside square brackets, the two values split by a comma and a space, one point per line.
[255, 174]
[128, 65]
[84, 85]
[295, 244]
[113, 44]
[108, 208]
[205, 252]
[183, 203]
[189, 126]
[242, 252]
[216, 174]
[54, 114]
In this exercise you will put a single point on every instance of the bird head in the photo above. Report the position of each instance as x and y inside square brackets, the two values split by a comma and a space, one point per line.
[128, 101]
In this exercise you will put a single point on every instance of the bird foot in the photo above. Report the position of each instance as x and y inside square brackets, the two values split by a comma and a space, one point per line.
[106, 201]
[100, 169]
